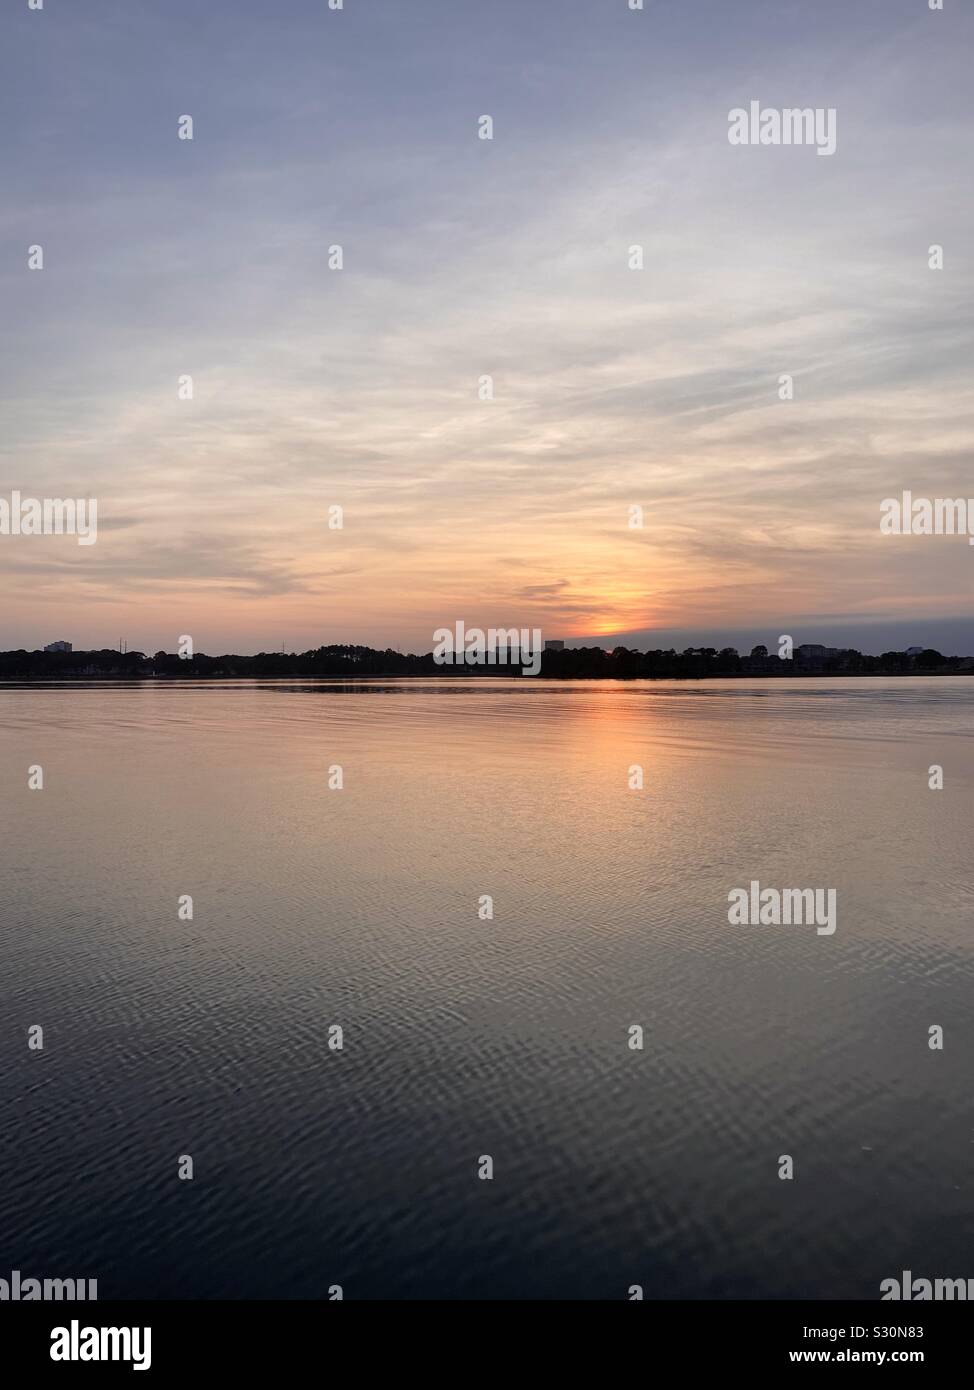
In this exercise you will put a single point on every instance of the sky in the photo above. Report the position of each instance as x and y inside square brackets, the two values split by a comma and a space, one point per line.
[464, 259]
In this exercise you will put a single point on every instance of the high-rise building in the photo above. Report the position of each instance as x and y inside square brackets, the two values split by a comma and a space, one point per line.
[59, 647]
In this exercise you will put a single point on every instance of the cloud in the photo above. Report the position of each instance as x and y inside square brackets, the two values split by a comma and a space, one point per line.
[464, 259]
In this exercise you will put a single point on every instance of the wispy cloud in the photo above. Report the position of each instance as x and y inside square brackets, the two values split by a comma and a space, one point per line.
[463, 259]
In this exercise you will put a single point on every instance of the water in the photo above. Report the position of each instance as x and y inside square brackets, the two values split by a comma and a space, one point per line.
[465, 1037]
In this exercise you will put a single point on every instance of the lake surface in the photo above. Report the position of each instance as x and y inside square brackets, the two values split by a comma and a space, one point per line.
[466, 1037]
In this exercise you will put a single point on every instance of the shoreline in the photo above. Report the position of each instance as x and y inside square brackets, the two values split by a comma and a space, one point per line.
[189, 679]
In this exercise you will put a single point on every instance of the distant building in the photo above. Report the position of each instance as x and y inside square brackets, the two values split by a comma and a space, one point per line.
[813, 651]
[554, 646]
[59, 647]
[915, 651]
[812, 656]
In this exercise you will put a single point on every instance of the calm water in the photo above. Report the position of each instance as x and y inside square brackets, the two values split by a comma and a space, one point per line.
[466, 1037]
